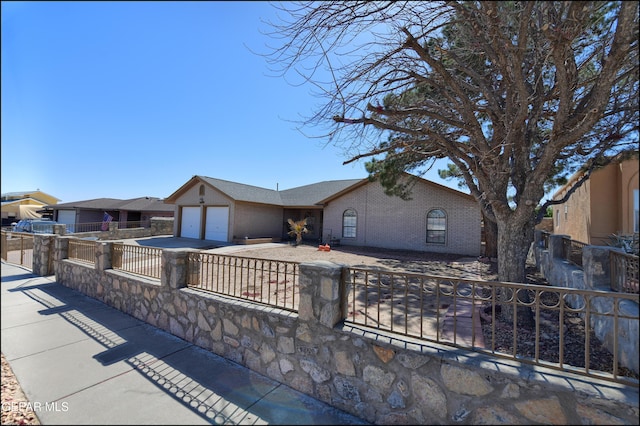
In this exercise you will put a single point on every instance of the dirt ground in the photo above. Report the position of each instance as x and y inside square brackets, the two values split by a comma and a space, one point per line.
[391, 260]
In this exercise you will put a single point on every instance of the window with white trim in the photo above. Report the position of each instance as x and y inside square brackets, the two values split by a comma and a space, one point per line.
[349, 223]
[436, 227]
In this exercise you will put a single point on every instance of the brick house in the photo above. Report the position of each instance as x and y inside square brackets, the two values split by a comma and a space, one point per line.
[354, 211]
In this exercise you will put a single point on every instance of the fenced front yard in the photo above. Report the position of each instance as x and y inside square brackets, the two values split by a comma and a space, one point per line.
[357, 337]
[455, 312]
[17, 248]
[562, 335]
[460, 313]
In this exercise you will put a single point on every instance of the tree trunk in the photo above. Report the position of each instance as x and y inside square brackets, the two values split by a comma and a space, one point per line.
[490, 237]
[514, 240]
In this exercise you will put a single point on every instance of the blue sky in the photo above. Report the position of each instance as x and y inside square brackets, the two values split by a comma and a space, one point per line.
[131, 99]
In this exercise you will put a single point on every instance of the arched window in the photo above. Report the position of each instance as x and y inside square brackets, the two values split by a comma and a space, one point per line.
[436, 227]
[349, 222]
[201, 192]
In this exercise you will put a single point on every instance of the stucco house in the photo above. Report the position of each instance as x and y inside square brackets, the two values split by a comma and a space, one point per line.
[24, 205]
[606, 204]
[353, 211]
[140, 209]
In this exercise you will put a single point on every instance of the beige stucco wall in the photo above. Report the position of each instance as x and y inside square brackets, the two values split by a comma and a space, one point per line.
[211, 198]
[606, 197]
[257, 221]
[245, 219]
[602, 206]
[391, 222]
[573, 218]
[629, 182]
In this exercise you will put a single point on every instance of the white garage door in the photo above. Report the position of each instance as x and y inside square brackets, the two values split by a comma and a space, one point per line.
[190, 224]
[217, 227]
[68, 217]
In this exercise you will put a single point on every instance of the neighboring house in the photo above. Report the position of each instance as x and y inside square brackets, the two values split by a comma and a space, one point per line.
[90, 211]
[606, 204]
[24, 205]
[355, 211]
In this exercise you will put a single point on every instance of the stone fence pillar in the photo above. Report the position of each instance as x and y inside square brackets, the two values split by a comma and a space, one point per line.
[60, 229]
[60, 251]
[555, 245]
[597, 267]
[323, 295]
[104, 256]
[61, 248]
[174, 268]
[43, 253]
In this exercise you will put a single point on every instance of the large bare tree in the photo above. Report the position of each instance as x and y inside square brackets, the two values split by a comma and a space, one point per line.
[504, 90]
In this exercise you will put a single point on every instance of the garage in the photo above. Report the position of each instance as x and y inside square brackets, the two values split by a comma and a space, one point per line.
[190, 222]
[68, 217]
[217, 224]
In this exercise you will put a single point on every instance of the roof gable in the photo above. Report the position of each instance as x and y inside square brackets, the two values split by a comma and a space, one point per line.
[315, 194]
[418, 179]
[302, 196]
[43, 197]
[242, 192]
[23, 201]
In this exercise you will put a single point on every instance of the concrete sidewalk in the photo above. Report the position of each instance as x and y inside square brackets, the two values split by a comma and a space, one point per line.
[80, 361]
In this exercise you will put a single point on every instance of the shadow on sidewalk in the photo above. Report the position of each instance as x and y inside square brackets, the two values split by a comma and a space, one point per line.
[212, 387]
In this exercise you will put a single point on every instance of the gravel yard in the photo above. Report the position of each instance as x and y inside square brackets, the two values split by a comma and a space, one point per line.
[360, 257]
[392, 260]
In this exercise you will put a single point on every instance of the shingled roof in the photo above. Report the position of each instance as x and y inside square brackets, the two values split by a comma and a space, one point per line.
[133, 204]
[242, 192]
[302, 196]
[310, 195]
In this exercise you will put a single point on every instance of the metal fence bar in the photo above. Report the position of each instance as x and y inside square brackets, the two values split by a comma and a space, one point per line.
[572, 251]
[271, 282]
[624, 272]
[17, 248]
[84, 251]
[432, 308]
[139, 260]
[73, 228]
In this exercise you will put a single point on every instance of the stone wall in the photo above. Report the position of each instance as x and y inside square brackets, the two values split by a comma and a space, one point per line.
[158, 226]
[380, 377]
[595, 274]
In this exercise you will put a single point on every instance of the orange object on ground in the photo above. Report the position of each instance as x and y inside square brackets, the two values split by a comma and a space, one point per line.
[325, 247]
